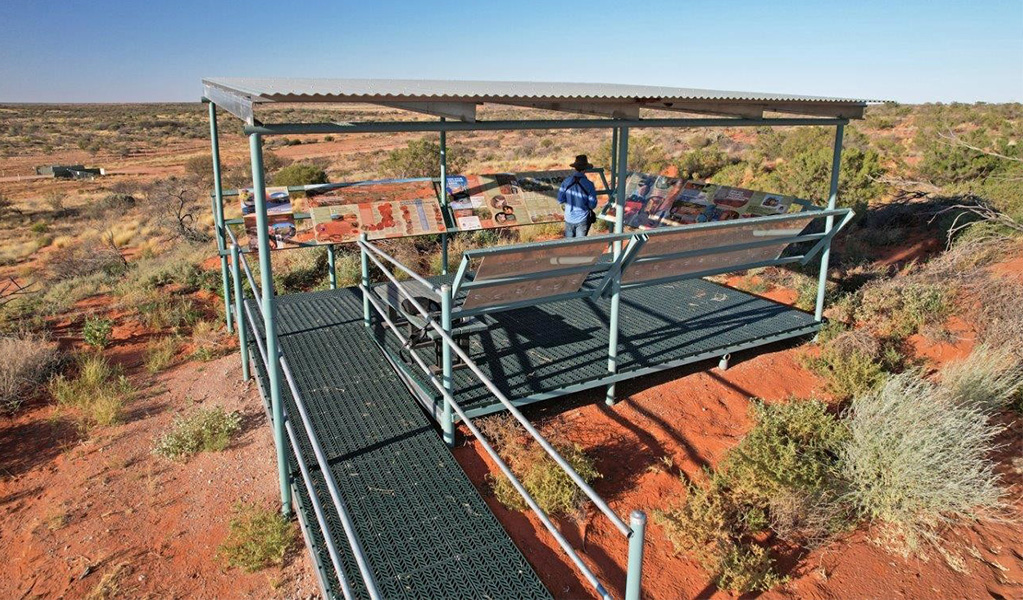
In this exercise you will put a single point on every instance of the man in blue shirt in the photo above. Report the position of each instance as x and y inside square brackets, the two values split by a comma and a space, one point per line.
[579, 196]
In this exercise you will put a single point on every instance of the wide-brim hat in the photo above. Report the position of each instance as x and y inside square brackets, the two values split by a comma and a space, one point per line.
[581, 163]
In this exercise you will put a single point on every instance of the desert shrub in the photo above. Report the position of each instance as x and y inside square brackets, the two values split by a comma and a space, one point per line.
[201, 168]
[25, 361]
[918, 458]
[988, 379]
[162, 311]
[785, 476]
[299, 174]
[96, 332]
[206, 340]
[258, 538]
[207, 430]
[702, 163]
[904, 306]
[545, 481]
[421, 158]
[85, 258]
[97, 394]
[160, 354]
[175, 205]
[854, 362]
[994, 308]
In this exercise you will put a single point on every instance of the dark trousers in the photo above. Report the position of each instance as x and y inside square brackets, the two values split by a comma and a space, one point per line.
[574, 230]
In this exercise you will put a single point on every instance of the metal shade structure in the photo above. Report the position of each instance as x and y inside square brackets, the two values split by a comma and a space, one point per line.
[453, 107]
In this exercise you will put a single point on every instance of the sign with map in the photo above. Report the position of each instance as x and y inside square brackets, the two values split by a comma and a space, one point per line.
[280, 215]
[380, 209]
[653, 201]
[505, 199]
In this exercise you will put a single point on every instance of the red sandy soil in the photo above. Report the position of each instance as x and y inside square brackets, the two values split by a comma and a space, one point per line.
[673, 425]
[75, 509]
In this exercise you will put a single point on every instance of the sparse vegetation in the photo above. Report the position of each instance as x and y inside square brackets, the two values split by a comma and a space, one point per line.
[160, 354]
[552, 489]
[96, 395]
[26, 360]
[258, 538]
[206, 430]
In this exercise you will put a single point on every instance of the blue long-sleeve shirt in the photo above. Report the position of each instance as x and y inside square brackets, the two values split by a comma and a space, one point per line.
[579, 196]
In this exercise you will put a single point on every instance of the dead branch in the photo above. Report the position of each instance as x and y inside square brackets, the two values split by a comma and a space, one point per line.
[954, 140]
[984, 212]
[11, 289]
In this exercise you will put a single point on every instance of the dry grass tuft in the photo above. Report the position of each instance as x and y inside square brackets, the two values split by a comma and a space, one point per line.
[97, 395]
[26, 361]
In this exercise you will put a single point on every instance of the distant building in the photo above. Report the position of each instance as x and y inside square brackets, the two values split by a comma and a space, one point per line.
[69, 171]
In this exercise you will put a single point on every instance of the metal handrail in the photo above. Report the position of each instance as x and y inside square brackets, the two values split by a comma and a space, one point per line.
[471, 364]
[322, 463]
[638, 518]
[432, 286]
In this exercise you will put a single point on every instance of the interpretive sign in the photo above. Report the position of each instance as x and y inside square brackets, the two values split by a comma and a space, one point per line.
[280, 217]
[653, 201]
[380, 209]
[533, 262]
[505, 199]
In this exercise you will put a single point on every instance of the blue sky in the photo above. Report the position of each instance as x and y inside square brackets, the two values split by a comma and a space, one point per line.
[904, 50]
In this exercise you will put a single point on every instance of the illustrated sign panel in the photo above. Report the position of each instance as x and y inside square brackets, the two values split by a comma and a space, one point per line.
[505, 199]
[280, 215]
[685, 240]
[381, 210]
[537, 261]
[653, 201]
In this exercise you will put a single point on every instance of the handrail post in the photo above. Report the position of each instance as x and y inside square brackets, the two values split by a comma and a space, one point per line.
[363, 238]
[444, 199]
[447, 419]
[269, 307]
[616, 285]
[634, 576]
[236, 277]
[331, 270]
[218, 213]
[614, 158]
[829, 222]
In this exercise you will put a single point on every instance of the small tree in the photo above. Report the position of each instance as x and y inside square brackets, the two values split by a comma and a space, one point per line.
[421, 158]
[200, 168]
[175, 201]
[299, 174]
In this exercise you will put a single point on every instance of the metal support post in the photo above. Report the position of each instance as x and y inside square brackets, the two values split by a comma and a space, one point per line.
[243, 342]
[836, 165]
[218, 214]
[269, 318]
[612, 346]
[633, 578]
[331, 269]
[447, 420]
[365, 280]
[614, 157]
[444, 199]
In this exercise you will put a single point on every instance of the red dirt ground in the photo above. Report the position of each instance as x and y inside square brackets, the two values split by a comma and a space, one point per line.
[76, 510]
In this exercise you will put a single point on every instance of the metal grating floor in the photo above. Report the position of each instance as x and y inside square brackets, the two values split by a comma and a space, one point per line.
[544, 351]
[426, 531]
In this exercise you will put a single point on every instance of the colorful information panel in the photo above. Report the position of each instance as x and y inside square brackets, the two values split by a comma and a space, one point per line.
[692, 239]
[505, 199]
[280, 215]
[533, 261]
[381, 209]
[653, 201]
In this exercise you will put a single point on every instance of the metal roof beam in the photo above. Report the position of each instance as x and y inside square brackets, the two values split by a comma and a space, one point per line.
[236, 104]
[839, 111]
[614, 110]
[729, 109]
[460, 111]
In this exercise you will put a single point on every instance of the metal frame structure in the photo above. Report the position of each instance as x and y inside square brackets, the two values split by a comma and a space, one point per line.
[616, 108]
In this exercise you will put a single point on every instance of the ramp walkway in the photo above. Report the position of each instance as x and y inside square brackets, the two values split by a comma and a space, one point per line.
[424, 529]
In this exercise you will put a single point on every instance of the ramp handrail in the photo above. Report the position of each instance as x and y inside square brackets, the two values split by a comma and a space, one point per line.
[634, 534]
[321, 461]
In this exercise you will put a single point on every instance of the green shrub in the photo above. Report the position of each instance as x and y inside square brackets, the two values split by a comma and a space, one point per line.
[854, 362]
[258, 538]
[97, 394]
[207, 430]
[299, 174]
[917, 458]
[748, 568]
[25, 362]
[421, 158]
[545, 481]
[96, 332]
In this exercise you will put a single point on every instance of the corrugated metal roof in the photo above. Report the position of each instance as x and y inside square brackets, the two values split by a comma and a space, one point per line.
[413, 90]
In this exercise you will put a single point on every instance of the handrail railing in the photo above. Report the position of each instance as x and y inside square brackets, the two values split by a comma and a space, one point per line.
[635, 533]
[321, 461]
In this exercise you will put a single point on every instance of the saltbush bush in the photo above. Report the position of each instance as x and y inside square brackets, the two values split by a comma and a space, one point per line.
[26, 361]
[206, 430]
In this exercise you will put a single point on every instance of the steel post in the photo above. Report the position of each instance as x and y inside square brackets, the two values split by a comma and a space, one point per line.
[218, 213]
[236, 277]
[365, 280]
[829, 222]
[444, 198]
[634, 576]
[622, 164]
[614, 157]
[331, 269]
[269, 317]
[447, 419]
